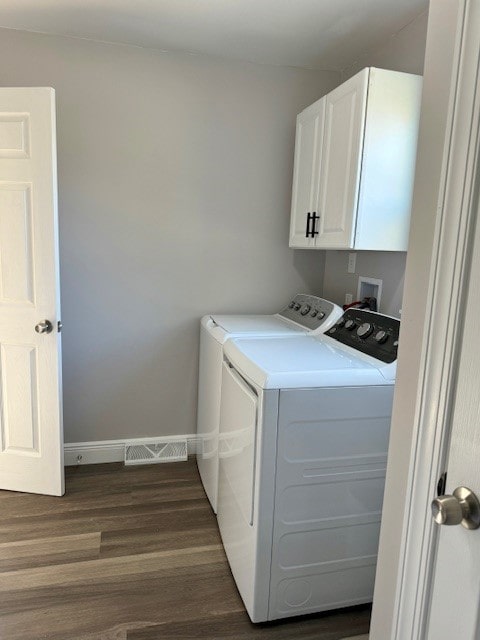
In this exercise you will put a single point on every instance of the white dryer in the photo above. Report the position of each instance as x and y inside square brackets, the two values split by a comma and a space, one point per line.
[304, 314]
[304, 430]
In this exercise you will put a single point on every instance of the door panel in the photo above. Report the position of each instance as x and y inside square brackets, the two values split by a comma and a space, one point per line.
[31, 434]
[19, 382]
[14, 135]
[16, 263]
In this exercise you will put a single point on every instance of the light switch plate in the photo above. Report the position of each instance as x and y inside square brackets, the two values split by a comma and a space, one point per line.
[352, 262]
[348, 298]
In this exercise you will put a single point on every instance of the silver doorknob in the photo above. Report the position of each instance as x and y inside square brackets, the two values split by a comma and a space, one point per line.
[462, 508]
[45, 326]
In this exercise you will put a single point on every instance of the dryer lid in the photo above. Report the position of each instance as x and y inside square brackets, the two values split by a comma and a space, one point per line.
[304, 362]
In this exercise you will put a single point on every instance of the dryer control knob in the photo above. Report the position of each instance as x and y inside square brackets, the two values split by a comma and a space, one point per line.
[364, 330]
[350, 325]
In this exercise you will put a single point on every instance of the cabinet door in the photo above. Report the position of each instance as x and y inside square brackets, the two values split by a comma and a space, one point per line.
[340, 169]
[388, 164]
[308, 151]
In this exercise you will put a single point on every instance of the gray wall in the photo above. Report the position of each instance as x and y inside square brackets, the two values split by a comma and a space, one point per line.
[388, 266]
[402, 52]
[175, 176]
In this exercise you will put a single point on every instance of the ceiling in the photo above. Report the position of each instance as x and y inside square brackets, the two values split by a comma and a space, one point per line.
[318, 34]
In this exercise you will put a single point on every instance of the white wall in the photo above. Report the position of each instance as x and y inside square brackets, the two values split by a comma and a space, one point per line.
[174, 190]
[404, 51]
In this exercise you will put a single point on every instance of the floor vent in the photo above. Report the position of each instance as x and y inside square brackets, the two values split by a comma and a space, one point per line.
[156, 451]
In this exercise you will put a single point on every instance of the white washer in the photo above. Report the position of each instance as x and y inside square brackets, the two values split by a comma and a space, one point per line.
[304, 314]
[304, 429]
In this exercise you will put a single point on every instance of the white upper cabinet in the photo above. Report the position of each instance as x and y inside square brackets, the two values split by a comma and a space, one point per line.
[354, 164]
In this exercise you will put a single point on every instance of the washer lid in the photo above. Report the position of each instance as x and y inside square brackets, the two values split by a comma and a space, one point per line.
[258, 324]
[303, 362]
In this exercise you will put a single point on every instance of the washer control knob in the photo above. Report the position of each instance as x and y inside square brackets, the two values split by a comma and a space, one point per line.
[297, 306]
[314, 313]
[292, 304]
[321, 314]
[364, 330]
[381, 336]
[305, 309]
[350, 325]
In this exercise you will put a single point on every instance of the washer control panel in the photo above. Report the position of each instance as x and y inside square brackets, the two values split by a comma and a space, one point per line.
[369, 332]
[309, 311]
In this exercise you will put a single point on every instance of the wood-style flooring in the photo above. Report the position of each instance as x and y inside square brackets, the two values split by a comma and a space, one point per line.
[130, 553]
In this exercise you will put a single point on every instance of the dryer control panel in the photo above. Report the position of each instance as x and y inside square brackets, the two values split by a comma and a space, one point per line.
[369, 332]
[309, 311]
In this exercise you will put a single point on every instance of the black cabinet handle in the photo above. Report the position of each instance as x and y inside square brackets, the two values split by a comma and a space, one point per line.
[314, 220]
[309, 219]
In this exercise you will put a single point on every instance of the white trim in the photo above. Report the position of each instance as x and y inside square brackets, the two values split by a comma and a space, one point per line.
[100, 451]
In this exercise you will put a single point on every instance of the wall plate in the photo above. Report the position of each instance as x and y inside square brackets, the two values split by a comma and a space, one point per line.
[369, 288]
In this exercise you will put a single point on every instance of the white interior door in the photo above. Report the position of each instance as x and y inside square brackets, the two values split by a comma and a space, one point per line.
[31, 433]
[454, 607]
[455, 601]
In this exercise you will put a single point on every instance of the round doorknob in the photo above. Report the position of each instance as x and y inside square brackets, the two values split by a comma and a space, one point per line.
[447, 510]
[45, 326]
[462, 508]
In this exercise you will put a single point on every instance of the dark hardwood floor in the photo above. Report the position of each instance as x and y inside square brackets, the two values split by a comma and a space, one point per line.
[130, 553]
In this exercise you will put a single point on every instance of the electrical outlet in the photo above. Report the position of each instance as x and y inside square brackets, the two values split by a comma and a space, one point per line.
[348, 298]
[352, 262]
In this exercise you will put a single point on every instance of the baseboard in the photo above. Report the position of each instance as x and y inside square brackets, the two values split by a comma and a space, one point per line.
[113, 450]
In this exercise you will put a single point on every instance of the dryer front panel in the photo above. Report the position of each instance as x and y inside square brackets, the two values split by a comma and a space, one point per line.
[331, 460]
